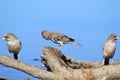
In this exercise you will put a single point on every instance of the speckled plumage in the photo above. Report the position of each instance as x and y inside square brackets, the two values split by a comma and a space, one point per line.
[58, 38]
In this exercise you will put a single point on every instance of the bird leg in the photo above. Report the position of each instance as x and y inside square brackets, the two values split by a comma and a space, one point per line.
[59, 47]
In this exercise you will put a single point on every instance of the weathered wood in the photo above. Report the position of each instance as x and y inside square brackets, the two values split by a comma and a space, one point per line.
[34, 71]
[61, 67]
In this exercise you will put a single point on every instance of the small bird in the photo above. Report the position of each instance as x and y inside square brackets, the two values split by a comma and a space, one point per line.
[58, 38]
[13, 43]
[109, 48]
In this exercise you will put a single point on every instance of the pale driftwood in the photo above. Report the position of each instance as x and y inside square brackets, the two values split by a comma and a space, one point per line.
[34, 71]
[61, 67]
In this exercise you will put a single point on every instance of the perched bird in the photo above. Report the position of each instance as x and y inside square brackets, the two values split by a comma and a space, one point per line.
[58, 38]
[13, 43]
[109, 48]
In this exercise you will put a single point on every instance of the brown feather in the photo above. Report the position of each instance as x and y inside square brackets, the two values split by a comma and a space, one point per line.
[13, 43]
[109, 48]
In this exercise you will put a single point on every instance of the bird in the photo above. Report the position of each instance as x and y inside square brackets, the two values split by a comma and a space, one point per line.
[109, 48]
[58, 38]
[13, 43]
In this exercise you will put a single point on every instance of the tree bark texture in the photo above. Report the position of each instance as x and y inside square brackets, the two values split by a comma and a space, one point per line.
[61, 67]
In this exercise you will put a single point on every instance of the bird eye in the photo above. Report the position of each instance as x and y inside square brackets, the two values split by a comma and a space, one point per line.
[115, 36]
[5, 36]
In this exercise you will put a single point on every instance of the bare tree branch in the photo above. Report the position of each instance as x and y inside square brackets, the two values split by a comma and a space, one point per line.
[34, 71]
[61, 67]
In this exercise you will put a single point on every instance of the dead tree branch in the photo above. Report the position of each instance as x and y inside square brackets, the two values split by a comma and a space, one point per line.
[61, 67]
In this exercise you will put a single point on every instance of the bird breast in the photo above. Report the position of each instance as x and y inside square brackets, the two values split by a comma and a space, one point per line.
[14, 46]
[109, 49]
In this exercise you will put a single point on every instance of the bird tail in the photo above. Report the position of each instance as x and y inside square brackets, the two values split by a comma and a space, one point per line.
[16, 56]
[76, 43]
[106, 61]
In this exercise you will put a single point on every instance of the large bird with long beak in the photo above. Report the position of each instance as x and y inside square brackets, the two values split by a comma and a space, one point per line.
[109, 48]
[13, 43]
[58, 38]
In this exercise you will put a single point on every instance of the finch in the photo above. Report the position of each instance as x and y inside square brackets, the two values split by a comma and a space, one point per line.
[13, 43]
[58, 38]
[109, 48]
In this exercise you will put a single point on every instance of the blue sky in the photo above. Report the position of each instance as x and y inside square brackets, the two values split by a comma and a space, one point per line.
[89, 22]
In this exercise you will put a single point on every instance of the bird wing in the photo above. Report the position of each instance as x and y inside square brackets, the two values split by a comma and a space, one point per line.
[63, 38]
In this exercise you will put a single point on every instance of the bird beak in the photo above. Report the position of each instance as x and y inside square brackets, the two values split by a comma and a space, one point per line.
[3, 38]
[117, 37]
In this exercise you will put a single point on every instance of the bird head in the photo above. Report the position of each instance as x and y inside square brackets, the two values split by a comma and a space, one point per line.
[113, 37]
[9, 37]
[45, 34]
